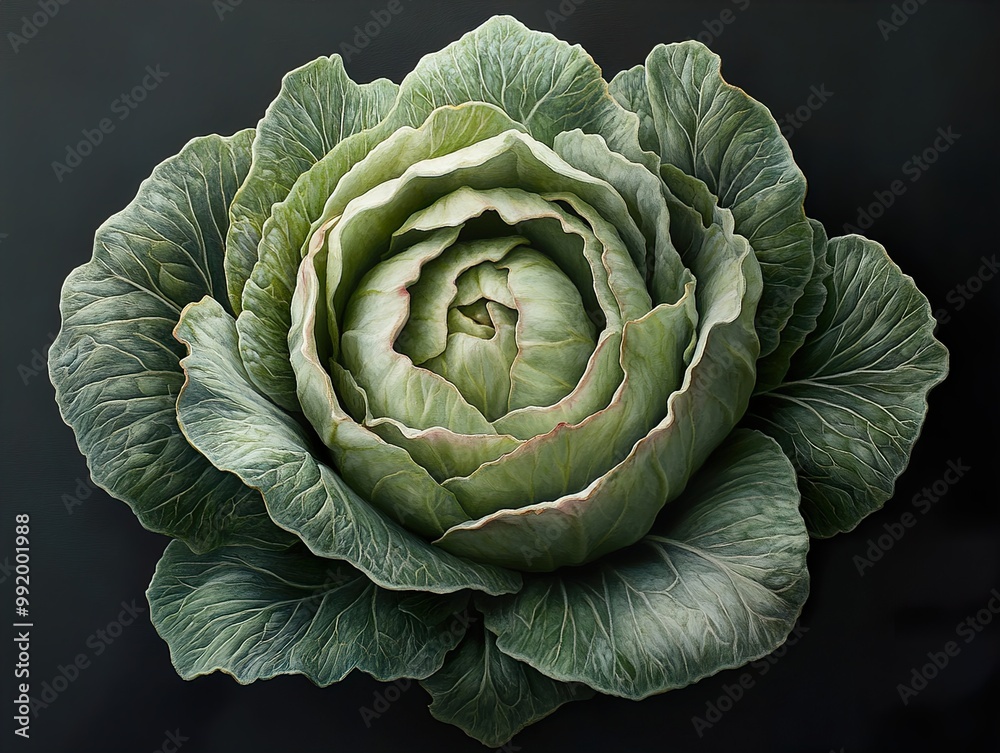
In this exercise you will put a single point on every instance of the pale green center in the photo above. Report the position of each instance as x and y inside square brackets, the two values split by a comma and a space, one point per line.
[516, 332]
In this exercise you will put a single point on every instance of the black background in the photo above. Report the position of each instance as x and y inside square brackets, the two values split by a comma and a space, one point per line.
[836, 688]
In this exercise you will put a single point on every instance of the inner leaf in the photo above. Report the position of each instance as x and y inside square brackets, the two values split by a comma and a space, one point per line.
[479, 314]
[507, 328]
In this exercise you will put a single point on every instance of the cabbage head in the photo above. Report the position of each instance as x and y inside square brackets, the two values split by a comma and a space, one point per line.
[508, 379]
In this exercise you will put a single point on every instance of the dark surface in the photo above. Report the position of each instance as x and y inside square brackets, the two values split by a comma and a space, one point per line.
[836, 687]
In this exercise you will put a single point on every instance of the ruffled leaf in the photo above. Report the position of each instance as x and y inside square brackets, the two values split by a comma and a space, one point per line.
[255, 615]
[855, 397]
[115, 364]
[772, 369]
[491, 696]
[715, 132]
[540, 81]
[318, 107]
[718, 582]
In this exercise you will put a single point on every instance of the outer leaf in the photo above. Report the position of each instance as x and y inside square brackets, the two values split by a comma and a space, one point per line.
[540, 81]
[115, 365]
[629, 88]
[856, 394]
[772, 369]
[255, 615]
[491, 696]
[718, 582]
[241, 431]
[715, 132]
[318, 107]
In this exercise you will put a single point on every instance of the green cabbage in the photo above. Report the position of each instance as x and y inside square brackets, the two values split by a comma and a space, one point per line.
[508, 379]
